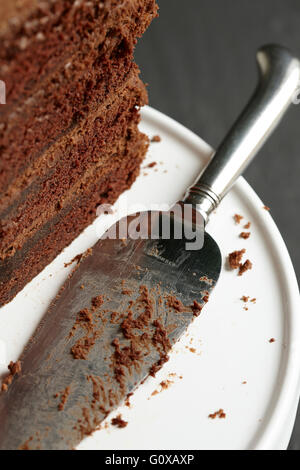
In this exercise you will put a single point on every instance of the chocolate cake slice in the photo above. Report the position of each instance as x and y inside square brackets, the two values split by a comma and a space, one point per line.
[69, 138]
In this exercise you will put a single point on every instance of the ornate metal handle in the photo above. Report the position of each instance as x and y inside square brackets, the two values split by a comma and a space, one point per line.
[279, 75]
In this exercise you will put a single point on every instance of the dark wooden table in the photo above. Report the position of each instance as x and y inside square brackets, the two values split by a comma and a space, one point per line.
[199, 59]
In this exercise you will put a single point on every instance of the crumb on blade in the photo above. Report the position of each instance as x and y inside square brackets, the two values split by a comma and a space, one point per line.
[176, 304]
[14, 368]
[79, 257]
[266, 208]
[97, 301]
[25, 446]
[119, 422]
[218, 414]
[156, 138]
[272, 340]
[64, 398]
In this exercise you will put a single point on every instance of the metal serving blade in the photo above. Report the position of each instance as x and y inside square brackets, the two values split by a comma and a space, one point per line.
[117, 317]
[156, 280]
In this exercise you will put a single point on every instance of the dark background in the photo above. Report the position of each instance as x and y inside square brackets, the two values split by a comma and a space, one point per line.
[199, 59]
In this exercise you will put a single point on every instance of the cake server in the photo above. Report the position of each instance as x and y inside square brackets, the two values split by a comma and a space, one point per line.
[117, 316]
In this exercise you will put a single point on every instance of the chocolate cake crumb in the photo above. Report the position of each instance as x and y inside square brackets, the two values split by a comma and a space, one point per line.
[76, 259]
[127, 401]
[245, 235]
[238, 218]
[97, 301]
[84, 320]
[123, 358]
[245, 298]
[64, 398]
[266, 208]
[119, 422]
[160, 336]
[156, 139]
[115, 317]
[245, 267]
[14, 368]
[98, 390]
[174, 303]
[86, 428]
[206, 280]
[82, 347]
[79, 257]
[85, 316]
[218, 414]
[165, 384]
[272, 340]
[235, 258]
[196, 308]
[156, 367]
[25, 446]
[126, 292]
[152, 165]
[247, 226]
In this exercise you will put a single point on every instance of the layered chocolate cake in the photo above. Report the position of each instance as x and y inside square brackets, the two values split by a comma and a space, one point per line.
[69, 138]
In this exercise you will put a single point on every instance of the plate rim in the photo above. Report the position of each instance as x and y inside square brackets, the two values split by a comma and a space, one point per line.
[284, 410]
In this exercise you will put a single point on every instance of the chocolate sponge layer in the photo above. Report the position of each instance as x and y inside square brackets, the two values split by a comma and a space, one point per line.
[63, 167]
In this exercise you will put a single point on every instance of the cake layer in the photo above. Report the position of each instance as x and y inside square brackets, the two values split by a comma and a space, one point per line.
[41, 34]
[28, 137]
[63, 167]
[33, 128]
[75, 86]
[67, 224]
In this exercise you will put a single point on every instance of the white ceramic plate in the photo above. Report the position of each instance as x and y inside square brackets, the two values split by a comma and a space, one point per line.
[224, 348]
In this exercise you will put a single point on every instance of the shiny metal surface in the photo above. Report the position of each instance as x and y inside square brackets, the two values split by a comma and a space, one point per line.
[279, 75]
[29, 414]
